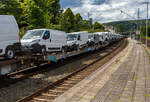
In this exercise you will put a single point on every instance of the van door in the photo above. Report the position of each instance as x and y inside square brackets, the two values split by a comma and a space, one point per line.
[83, 39]
[56, 41]
[79, 39]
[46, 41]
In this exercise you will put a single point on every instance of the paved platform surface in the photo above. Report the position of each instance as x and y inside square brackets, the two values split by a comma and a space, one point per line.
[125, 78]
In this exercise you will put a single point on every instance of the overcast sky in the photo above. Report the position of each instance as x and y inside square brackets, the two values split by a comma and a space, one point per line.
[107, 10]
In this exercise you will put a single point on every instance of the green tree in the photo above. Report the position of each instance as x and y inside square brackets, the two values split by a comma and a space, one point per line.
[33, 15]
[120, 28]
[11, 7]
[143, 30]
[67, 20]
[41, 13]
[51, 8]
[84, 25]
[77, 22]
[97, 25]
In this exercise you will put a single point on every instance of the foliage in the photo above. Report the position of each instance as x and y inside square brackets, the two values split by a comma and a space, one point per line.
[11, 7]
[32, 14]
[97, 30]
[120, 28]
[143, 30]
[67, 20]
[77, 22]
[34, 19]
[41, 13]
[84, 25]
[97, 25]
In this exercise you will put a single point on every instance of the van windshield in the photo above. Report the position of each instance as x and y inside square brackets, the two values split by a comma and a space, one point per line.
[33, 34]
[71, 37]
[90, 36]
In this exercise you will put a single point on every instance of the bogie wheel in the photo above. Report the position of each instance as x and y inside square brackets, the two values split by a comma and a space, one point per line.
[10, 53]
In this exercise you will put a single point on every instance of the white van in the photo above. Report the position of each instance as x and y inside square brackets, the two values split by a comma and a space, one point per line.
[107, 36]
[72, 43]
[9, 36]
[93, 39]
[110, 36]
[44, 40]
[102, 38]
[78, 38]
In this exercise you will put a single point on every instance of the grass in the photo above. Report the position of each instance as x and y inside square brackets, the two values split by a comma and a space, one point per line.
[144, 37]
[146, 95]
[147, 52]
[132, 99]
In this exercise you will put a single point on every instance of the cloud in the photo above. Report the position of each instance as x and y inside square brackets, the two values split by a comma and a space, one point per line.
[106, 10]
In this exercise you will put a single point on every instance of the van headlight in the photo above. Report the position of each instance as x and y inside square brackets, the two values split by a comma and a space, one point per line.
[35, 41]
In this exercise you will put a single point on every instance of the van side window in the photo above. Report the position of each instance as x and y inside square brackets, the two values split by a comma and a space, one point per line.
[79, 37]
[94, 37]
[46, 35]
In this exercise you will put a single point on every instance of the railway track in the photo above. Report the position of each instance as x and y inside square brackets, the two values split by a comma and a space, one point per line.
[32, 69]
[50, 92]
[25, 73]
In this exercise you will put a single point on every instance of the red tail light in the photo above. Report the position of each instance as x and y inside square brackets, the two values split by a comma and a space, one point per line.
[19, 36]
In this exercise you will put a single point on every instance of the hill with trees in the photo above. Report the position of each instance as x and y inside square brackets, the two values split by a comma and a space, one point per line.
[131, 25]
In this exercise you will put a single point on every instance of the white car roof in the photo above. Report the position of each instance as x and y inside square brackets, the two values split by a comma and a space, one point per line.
[45, 29]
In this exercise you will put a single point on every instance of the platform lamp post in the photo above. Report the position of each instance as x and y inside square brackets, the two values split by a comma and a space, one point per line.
[147, 3]
[139, 24]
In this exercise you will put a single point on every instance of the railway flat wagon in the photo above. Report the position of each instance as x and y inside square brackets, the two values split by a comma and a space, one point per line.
[54, 57]
[40, 46]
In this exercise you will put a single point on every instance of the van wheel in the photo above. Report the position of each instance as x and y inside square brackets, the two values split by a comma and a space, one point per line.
[10, 53]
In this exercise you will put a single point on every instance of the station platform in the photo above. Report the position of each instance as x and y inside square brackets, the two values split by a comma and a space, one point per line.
[125, 78]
